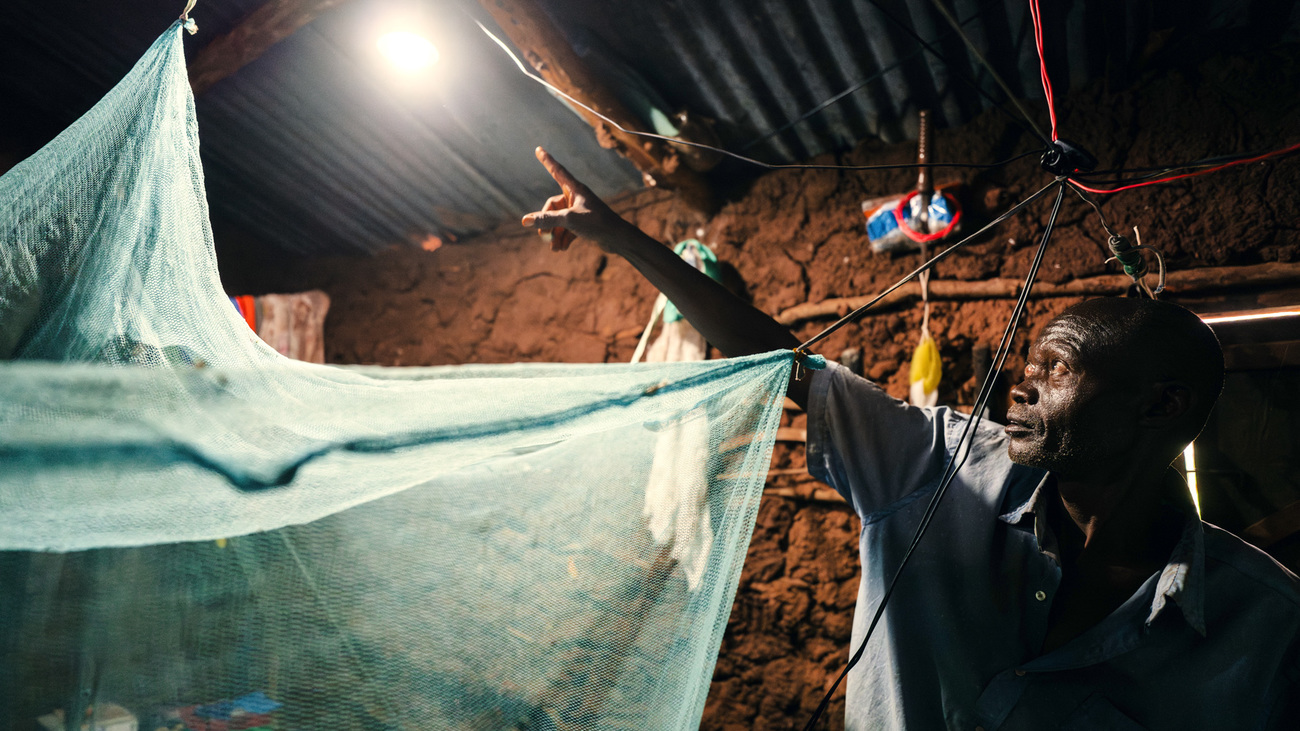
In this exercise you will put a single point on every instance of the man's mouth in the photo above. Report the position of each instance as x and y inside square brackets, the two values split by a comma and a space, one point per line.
[1016, 428]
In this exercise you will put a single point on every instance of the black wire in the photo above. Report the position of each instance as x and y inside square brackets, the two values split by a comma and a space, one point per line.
[898, 166]
[1156, 172]
[950, 472]
[1203, 162]
[843, 94]
[953, 69]
[854, 315]
[688, 143]
[1088, 199]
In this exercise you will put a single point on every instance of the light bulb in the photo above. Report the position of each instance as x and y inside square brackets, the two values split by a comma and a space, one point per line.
[408, 51]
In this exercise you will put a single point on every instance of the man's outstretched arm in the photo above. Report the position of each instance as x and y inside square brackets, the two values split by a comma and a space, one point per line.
[730, 324]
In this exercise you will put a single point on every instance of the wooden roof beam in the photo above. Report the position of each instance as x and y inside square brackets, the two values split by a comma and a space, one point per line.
[266, 26]
[545, 48]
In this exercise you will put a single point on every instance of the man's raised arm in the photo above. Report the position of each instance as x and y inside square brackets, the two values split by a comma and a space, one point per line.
[730, 324]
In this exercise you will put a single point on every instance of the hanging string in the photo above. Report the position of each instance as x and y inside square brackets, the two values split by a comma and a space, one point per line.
[858, 313]
[957, 458]
[952, 68]
[660, 303]
[734, 155]
[988, 66]
[924, 279]
[878, 74]
[1104, 223]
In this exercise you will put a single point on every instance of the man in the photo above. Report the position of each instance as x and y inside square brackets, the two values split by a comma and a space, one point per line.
[1066, 580]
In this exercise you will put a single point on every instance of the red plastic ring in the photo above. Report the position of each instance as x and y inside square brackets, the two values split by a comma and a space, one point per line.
[917, 236]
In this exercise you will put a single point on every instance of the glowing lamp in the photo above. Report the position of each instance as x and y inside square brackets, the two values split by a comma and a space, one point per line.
[408, 51]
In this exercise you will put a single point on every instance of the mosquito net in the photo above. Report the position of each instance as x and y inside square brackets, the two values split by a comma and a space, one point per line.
[196, 532]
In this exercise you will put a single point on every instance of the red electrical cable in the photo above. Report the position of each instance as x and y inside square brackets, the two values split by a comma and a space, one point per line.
[1036, 15]
[1257, 158]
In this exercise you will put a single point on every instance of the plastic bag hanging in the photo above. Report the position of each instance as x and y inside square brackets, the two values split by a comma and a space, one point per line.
[676, 504]
[927, 365]
[925, 373]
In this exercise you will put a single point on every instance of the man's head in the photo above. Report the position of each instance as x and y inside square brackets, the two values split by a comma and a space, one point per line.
[1111, 376]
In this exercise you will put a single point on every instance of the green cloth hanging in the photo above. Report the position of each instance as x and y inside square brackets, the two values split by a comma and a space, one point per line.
[702, 258]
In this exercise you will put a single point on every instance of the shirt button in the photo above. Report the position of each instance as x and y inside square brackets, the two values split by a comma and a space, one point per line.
[1040, 595]
[1020, 673]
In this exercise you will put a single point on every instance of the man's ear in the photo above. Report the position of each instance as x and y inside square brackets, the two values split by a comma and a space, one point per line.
[1168, 402]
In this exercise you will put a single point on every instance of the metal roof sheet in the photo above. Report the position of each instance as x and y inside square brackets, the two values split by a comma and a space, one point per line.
[314, 148]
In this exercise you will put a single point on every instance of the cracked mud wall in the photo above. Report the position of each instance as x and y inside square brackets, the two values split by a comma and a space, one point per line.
[797, 236]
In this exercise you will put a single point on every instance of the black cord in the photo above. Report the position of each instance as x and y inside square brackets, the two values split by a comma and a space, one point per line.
[1161, 170]
[838, 97]
[1086, 199]
[973, 83]
[728, 153]
[953, 466]
[898, 166]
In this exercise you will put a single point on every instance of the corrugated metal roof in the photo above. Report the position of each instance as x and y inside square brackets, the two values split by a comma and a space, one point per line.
[315, 148]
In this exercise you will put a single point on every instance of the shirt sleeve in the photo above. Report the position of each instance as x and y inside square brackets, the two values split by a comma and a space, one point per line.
[875, 450]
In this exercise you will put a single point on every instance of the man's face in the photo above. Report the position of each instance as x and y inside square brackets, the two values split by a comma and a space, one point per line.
[1072, 413]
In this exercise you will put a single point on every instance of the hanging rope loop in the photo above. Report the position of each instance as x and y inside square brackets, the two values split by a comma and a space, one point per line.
[186, 21]
[1130, 257]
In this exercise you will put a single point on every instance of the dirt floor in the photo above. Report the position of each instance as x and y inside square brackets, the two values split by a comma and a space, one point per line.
[793, 237]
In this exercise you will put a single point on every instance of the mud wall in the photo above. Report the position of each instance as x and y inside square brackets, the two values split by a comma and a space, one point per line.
[797, 236]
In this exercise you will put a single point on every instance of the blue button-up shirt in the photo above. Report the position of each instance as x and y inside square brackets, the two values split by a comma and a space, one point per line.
[1210, 642]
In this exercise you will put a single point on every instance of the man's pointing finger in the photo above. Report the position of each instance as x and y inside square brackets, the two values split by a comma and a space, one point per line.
[557, 171]
[545, 219]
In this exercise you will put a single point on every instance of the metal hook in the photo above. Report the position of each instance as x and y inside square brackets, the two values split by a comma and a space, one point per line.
[799, 355]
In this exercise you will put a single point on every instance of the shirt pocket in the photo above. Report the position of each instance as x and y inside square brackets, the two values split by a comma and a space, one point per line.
[1097, 714]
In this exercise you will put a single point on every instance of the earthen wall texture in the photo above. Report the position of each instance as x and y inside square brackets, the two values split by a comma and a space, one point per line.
[791, 237]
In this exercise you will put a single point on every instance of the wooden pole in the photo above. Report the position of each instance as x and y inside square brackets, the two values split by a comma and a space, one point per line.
[1184, 282]
[545, 49]
[266, 26]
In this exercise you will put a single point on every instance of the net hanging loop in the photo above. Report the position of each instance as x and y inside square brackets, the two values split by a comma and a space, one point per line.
[186, 21]
[925, 295]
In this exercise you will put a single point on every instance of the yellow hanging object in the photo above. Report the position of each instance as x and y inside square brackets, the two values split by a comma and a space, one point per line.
[926, 370]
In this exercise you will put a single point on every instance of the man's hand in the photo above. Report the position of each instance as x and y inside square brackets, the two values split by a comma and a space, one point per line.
[575, 212]
[731, 325]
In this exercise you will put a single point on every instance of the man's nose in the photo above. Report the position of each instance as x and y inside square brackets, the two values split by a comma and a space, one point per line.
[1024, 393]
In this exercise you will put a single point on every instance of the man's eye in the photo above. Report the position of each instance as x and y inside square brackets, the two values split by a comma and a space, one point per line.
[1030, 369]
[1058, 368]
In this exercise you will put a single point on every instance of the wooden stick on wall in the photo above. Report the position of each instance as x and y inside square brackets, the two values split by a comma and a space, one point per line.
[1184, 282]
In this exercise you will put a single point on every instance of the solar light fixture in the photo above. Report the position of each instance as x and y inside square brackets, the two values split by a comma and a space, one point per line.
[408, 52]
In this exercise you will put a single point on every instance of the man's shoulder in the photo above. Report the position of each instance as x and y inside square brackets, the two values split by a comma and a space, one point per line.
[1248, 569]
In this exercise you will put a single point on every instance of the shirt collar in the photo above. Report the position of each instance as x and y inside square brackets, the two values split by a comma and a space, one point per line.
[1182, 579]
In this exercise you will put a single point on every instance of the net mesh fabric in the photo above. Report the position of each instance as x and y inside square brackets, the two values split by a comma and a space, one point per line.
[186, 516]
